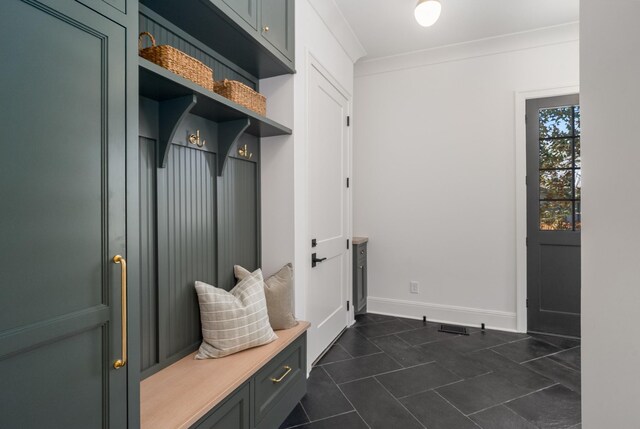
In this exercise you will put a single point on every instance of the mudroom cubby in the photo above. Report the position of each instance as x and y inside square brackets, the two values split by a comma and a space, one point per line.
[199, 192]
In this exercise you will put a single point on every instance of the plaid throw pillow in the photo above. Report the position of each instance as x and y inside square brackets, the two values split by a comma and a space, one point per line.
[235, 320]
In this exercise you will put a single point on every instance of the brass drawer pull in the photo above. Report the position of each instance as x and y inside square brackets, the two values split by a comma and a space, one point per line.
[123, 282]
[278, 380]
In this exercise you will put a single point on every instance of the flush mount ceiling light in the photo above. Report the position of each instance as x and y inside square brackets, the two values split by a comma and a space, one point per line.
[427, 12]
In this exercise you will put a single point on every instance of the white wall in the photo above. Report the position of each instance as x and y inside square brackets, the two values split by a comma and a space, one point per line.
[610, 68]
[285, 235]
[434, 172]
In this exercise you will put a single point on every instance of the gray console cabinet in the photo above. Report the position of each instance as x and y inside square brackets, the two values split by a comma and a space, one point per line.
[359, 277]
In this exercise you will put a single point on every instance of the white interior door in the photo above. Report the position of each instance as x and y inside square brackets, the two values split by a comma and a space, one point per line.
[328, 166]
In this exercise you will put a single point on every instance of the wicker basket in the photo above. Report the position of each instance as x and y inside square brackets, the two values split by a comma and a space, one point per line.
[176, 61]
[240, 93]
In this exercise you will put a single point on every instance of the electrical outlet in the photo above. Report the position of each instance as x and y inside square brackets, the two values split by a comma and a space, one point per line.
[413, 287]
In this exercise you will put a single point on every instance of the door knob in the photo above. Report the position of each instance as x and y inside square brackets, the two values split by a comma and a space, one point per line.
[315, 260]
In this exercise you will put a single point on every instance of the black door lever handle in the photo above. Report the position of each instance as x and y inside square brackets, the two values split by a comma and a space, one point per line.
[315, 260]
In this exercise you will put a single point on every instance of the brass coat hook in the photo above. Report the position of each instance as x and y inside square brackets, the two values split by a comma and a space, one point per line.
[195, 139]
[244, 152]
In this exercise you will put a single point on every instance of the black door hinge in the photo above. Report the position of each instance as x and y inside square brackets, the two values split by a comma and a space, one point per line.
[347, 244]
[526, 180]
[527, 302]
[347, 305]
[347, 182]
[527, 241]
[348, 121]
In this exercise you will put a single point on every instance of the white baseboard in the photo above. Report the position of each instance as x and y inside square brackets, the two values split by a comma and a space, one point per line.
[492, 319]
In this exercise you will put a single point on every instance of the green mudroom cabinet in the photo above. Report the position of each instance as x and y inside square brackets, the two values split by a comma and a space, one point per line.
[108, 212]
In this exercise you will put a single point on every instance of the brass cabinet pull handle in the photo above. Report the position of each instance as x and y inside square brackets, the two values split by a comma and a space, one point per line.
[123, 264]
[278, 380]
[266, 29]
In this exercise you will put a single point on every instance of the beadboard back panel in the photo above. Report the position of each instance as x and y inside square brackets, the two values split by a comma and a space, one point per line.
[148, 254]
[238, 219]
[187, 246]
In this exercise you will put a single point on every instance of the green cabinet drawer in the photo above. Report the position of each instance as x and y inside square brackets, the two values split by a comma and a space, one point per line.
[280, 385]
[233, 413]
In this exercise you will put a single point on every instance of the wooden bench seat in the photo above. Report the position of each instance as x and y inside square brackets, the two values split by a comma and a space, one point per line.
[181, 394]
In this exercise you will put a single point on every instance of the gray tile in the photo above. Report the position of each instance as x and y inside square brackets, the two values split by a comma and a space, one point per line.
[508, 336]
[417, 379]
[516, 373]
[559, 373]
[554, 407]
[424, 335]
[400, 351]
[356, 344]
[436, 413]
[295, 418]
[500, 417]
[323, 398]
[361, 367]
[365, 319]
[560, 342]
[460, 364]
[344, 421]
[377, 407]
[418, 323]
[524, 350]
[334, 354]
[571, 358]
[473, 342]
[485, 391]
[385, 328]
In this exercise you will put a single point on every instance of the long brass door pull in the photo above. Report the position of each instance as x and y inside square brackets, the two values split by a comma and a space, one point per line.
[123, 281]
[278, 380]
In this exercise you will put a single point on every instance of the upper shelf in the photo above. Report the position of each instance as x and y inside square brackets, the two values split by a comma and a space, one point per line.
[242, 44]
[160, 84]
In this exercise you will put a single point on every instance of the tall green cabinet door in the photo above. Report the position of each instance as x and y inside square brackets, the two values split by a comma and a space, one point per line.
[62, 216]
[276, 19]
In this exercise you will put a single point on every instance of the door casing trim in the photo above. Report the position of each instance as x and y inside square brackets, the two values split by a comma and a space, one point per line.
[521, 98]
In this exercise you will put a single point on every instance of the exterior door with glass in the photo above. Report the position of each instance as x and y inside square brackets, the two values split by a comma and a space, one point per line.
[553, 215]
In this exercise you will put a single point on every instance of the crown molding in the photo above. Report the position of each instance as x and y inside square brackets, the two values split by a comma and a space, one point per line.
[565, 33]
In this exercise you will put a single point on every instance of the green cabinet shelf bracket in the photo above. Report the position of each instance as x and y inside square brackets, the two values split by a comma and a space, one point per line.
[228, 134]
[172, 112]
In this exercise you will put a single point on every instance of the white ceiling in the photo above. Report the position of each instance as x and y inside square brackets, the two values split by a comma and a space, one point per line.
[387, 27]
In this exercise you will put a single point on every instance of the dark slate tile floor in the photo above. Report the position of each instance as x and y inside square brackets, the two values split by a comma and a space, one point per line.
[394, 373]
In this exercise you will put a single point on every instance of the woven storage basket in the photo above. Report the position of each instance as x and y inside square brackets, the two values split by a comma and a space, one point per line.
[240, 93]
[177, 62]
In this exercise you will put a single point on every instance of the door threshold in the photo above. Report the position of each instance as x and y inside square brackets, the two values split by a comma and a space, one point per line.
[554, 335]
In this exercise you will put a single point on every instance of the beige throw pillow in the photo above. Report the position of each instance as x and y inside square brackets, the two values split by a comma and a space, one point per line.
[233, 321]
[278, 290]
